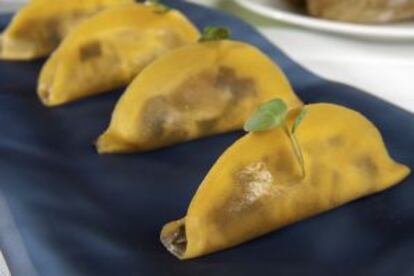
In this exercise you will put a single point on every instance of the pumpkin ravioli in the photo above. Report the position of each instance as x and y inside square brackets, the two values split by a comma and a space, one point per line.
[256, 186]
[198, 90]
[108, 50]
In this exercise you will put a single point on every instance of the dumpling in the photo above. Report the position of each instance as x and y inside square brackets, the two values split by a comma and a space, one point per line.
[108, 50]
[256, 186]
[38, 28]
[195, 91]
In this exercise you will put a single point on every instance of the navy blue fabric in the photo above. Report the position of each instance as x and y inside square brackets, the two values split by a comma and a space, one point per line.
[78, 213]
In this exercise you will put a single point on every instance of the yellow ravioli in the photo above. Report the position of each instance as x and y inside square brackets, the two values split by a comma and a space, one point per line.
[195, 91]
[256, 186]
[108, 50]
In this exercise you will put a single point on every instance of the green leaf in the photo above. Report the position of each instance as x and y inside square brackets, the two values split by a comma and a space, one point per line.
[267, 116]
[215, 33]
[298, 120]
[161, 8]
[273, 114]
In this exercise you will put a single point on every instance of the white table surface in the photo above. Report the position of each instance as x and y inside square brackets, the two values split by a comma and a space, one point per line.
[4, 271]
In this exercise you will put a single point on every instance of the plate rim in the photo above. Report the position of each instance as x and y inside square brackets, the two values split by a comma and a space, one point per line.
[350, 29]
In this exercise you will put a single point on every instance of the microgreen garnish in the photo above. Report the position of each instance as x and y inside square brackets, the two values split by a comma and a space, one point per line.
[273, 114]
[215, 33]
[160, 8]
[268, 115]
[299, 120]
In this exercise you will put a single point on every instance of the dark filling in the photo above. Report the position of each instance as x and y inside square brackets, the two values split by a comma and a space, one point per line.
[180, 240]
[284, 163]
[155, 114]
[90, 51]
[155, 117]
[191, 95]
[57, 28]
[207, 126]
[213, 95]
[239, 87]
[367, 165]
[336, 141]
[53, 36]
[176, 243]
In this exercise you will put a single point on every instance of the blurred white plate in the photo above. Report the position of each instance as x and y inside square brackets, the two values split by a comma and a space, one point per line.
[9, 6]
[280, 10]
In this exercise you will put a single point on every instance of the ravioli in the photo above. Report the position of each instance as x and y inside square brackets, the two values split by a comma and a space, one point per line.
[108, 50]
[195, 91]
[39, 27]
[257, 187]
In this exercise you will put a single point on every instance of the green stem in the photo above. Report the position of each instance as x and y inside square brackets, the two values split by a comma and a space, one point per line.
[296, 149]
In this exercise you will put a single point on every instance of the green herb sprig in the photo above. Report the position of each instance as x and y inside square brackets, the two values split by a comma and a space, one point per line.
[273, 114]
[215, 33]
[160, 8]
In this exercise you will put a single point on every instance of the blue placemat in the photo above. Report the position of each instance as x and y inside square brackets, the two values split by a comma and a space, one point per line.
[67, 211]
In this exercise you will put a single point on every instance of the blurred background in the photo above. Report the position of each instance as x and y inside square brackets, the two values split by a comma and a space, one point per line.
[11, 5]
[377, 58]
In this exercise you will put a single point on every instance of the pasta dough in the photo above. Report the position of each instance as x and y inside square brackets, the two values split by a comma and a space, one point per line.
[256, 186]
[195, 91]
[108, 50]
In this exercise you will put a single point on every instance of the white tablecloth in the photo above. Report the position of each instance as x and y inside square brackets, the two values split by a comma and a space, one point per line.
[4, 271]
[385, 70]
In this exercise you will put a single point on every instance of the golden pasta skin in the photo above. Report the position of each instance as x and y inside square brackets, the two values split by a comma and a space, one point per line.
[195, 91]
[108, 50]
[39, 27]
[256, 186]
